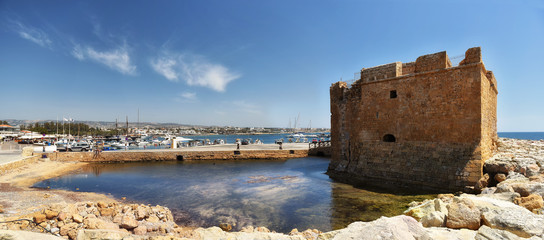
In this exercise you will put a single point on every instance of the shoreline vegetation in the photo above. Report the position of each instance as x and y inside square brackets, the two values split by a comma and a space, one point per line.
[506, 204]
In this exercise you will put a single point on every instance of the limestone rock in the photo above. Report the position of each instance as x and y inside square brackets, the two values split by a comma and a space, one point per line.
[462, 213]
[39, 218]
[153, 219]
[77, 218]
[505, 196]
[499, 177]
[140, 230]
[62, 216]
[440, 206]
[225, 227]
[514, 219]
[421, 210]
[398, 227]
[128, 222]
[489, 190]
[49, 214]
[434, 219]
[439, 233]
[87, 234]
[64, 230]
[487, 233]
[106, 212]
[482, 183]
[530, 202]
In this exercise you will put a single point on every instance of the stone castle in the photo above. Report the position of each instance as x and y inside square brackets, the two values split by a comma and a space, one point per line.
[421, 123]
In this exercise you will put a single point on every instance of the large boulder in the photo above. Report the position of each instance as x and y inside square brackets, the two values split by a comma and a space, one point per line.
[421, 210]
[217, 233]
[434, 219]
[439, 233]
[462, 213]
[514, 219]
[531, 202]
[487, 233]
[398, 227]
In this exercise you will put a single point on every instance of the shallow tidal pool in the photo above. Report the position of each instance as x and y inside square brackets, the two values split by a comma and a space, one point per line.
[280, 195]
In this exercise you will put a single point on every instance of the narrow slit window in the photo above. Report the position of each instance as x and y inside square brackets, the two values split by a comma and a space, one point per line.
[393, 94]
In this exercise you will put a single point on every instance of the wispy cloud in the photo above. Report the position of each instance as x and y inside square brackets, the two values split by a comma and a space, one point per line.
[32, 34]
[117, 59]
[186, 97]
[194, 70]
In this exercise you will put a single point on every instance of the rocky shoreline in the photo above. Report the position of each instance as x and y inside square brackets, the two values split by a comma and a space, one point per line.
[506, 203]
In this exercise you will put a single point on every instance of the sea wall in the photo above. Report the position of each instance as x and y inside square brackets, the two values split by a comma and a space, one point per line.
[173, 155]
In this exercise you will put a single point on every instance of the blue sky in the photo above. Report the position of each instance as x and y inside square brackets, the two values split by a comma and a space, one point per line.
[248, 63]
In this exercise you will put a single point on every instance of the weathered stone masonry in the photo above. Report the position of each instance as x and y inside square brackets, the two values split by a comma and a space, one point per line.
[421, 123]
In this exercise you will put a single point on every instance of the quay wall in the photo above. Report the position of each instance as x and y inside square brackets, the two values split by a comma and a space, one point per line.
[173, 155]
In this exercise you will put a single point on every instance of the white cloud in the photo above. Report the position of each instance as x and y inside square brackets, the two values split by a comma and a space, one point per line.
[194, 70]
[188, 95]
[33, 34]
[116, 59]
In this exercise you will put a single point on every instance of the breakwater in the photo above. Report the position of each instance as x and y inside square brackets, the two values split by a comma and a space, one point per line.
[176, 155]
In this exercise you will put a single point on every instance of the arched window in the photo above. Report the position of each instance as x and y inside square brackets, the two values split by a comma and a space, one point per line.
[389, 138]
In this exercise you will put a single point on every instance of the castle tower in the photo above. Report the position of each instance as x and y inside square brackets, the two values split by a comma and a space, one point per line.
[421, 123]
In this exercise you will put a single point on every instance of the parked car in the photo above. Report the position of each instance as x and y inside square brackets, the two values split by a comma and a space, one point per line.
[62, 147]
[79, 147]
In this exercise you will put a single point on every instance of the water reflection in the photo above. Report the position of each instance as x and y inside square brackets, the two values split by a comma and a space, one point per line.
[280, 195]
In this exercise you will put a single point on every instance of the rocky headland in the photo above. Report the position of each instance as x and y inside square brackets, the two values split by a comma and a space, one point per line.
[507, 203]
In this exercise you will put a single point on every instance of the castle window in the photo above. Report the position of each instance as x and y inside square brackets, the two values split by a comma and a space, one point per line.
[389, 138]
[393, 94]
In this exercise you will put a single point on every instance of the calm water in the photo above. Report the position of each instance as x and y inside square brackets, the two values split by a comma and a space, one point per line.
[280, 195]
[522, 135]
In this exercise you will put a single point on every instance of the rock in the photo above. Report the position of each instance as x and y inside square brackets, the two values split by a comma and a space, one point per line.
[106, 212]
[225, 227]
[55, 230]
[141, 213]
[499, 177]
[505, 196]
[128, 222]
[436, 233]
[487, 233]
[23, 235]
[421, 210]
[514, 219]
[248, 229]
[49, 214]
[153, 219]
[39, 218]
[504, 188]
[462, 213]
[532, 170]
[62, 216]
[101, 204]
[140, 230]
[482, 183]
[66, 228]
[434, 219]
[294, 232]
[86, 234]
[530, 202]
[489, 190]
[398, 227]
[77, 218]
[440, 206]
[262, 229]
[1, 208]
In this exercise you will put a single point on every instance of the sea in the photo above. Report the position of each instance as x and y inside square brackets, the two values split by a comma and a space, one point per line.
[522, 135]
